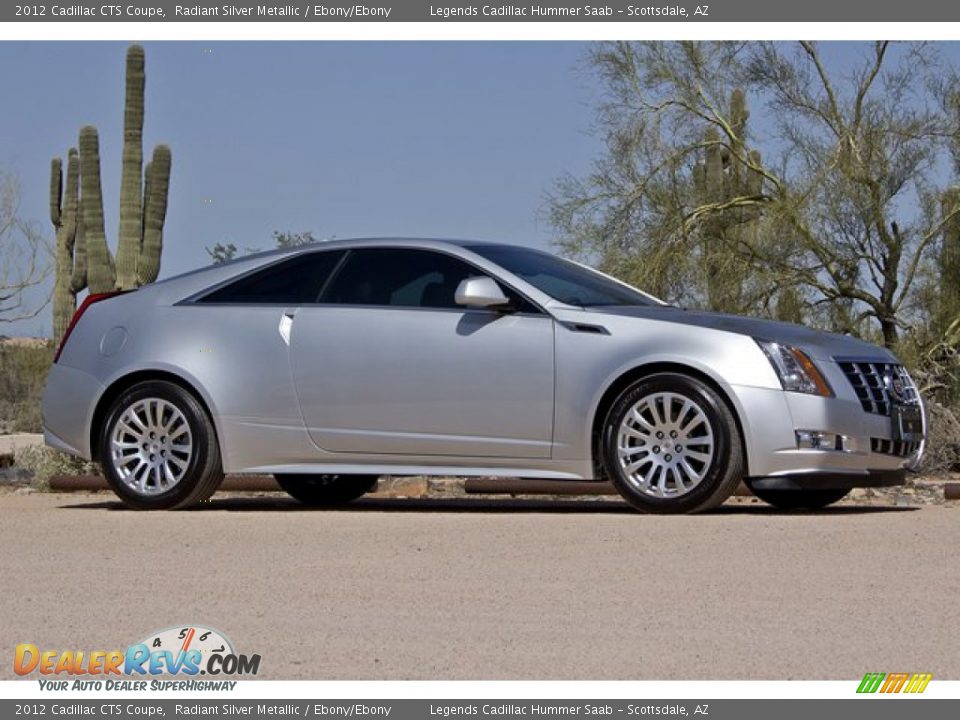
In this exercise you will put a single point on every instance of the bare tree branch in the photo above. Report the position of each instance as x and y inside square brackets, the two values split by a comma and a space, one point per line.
[840, 198]
[25, 257]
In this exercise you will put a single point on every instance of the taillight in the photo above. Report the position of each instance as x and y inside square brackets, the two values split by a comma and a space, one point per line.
[87, 302]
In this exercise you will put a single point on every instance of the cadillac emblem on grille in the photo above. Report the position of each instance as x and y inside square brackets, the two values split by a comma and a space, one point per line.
[895, 386]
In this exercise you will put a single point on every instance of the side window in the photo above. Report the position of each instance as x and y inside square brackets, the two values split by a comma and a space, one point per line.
[405, 278]
[398, 277]
[296, 281]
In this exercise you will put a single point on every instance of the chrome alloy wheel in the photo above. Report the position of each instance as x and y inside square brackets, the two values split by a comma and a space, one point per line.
[665, 445]
[151, 446]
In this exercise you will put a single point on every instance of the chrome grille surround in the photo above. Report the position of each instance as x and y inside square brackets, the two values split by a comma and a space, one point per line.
[870, 380]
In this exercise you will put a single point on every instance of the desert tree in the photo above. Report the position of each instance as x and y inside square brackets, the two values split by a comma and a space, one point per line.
[25, 258]
[225, 252]
[837, 203]
[632, 214]
[290, 239]
[221, 252]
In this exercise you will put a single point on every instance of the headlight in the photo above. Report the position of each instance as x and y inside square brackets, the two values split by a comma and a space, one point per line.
[796, 371]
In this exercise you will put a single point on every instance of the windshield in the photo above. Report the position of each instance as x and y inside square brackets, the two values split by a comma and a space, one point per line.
[561, 279]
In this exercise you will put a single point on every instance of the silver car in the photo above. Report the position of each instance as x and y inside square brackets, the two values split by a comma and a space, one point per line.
[332, 364]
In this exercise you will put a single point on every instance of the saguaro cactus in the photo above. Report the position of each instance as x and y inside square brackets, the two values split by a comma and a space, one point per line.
[131, 177]
[64, 203]
[83, 256]
[101, 272]
[949, 260]
[155, 191]
[78, 281]
[789, 307]
[724, 175]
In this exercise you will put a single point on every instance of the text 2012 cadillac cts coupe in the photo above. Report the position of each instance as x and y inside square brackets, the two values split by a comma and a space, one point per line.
[335, 363]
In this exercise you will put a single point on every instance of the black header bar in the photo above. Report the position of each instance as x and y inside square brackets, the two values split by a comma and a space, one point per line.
[637, 11]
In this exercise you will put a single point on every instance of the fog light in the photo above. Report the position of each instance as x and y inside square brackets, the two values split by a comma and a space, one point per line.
[816, 440]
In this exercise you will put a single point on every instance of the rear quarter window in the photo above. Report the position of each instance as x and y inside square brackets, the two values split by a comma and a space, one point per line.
[294, 281]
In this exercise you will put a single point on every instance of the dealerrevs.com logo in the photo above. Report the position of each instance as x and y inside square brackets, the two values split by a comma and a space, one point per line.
[190, 650]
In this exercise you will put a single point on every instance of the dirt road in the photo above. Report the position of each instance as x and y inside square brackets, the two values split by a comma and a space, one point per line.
[467, 589]
[11, 443]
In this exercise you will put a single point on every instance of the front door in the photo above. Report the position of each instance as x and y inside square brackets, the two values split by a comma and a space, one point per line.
[388, 363]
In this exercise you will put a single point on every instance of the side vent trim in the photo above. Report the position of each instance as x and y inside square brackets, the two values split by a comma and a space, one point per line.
[586, 328]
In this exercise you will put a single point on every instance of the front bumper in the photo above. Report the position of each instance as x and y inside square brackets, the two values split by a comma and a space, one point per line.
[830, 480]
[867, 455]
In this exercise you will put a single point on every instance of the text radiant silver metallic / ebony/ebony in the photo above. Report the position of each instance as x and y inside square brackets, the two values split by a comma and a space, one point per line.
[331, 364]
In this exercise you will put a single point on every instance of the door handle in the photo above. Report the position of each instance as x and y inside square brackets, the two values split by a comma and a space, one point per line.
[286, 323]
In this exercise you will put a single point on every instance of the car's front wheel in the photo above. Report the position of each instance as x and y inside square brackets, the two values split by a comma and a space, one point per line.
[159, 448]
[326, 489]
[671, 445]
[799, 499]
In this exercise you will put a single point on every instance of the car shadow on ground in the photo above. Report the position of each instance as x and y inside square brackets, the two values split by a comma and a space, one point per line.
[278, 503]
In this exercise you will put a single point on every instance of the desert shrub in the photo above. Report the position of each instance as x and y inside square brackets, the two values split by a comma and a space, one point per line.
[43, 463]
[23, 371]
[933, 358]
[943, 443]
[27, 417]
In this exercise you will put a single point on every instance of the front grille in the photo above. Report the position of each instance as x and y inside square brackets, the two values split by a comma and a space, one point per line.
[868, 381]
[899, 448]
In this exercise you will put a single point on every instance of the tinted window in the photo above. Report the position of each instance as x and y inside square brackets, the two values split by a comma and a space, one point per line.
[402, 278]
[296, 281]
[561, 279]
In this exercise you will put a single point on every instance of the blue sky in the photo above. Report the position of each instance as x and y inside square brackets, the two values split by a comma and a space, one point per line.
[343, 139]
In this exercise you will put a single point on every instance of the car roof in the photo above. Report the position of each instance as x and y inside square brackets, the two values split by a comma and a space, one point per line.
[361, 242]
[392, 241]
[345, 243]
[224, 270]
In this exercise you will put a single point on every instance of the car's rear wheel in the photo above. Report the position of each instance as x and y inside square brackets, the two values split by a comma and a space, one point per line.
[159, 448]
[671, 445]
[324, 490]
[799, 499]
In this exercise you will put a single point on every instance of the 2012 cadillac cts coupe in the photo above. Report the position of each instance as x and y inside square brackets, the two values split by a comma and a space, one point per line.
[335, 363]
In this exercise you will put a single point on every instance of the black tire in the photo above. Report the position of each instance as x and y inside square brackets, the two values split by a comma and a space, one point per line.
[720, 476]
[799, 499]
[203, 473]
[326, 490]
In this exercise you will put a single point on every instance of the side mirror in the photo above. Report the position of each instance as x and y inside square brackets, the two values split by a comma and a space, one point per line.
[481, 292]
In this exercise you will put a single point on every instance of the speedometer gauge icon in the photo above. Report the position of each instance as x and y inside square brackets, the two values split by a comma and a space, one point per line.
[184, 638]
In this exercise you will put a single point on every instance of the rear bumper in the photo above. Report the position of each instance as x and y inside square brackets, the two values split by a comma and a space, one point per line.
[69, 401]
[830, 480]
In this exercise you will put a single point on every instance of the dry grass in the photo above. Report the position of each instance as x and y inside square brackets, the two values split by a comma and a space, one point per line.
[24, 363]
[28, 342]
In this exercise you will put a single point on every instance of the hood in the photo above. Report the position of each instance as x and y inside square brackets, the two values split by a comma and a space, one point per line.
[816, 343]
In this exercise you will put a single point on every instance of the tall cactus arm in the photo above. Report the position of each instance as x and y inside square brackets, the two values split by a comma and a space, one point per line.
[713, 168]
[78, 281]
[155, 212]
[56, 190]
[131, 177]
[71, 200]
[739, 115]
[101, 274]
[147, 177]
[64, 297]
[949, 260]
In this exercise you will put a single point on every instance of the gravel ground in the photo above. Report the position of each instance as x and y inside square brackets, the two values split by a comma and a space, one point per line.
[465, 588]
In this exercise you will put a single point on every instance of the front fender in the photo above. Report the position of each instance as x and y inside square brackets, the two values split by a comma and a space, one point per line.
[591, 365]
